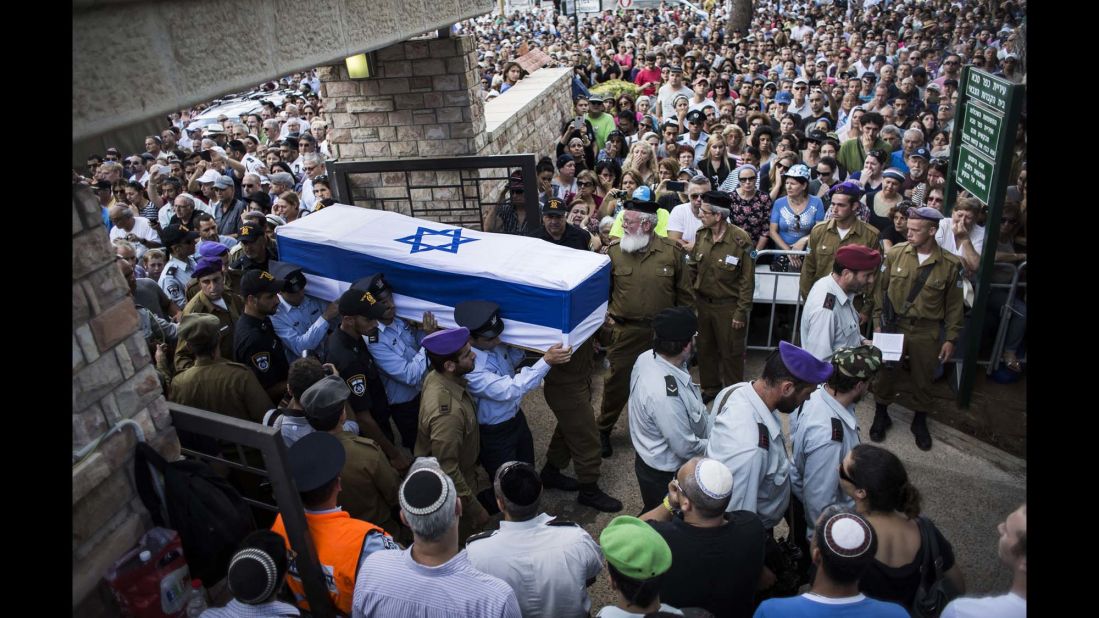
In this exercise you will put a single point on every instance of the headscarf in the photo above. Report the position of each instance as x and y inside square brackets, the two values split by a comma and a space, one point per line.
[733, 181]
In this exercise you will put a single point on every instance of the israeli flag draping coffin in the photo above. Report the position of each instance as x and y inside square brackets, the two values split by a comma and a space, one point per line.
[547, 294]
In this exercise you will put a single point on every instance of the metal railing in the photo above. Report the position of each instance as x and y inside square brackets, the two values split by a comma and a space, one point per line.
[268, 441]
[777, 298]
[1007, 312]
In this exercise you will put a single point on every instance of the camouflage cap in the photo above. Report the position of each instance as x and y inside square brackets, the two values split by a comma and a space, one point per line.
[860, 362]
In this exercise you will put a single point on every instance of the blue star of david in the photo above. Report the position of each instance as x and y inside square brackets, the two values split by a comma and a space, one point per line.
[419, 245]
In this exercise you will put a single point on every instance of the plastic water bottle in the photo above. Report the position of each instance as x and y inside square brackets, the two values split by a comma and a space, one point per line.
[196, 604]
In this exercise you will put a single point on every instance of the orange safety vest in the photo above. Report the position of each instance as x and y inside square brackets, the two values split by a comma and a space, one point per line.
[339, 541]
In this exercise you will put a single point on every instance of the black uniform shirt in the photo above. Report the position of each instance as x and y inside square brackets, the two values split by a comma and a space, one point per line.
[356, 366]
[257, 346]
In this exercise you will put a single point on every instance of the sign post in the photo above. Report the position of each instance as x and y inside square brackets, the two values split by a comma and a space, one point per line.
[981, 148]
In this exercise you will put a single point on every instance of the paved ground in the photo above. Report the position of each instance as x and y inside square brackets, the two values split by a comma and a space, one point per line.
[967, 486]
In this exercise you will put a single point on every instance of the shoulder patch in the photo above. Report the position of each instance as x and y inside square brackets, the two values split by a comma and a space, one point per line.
[764, 437]
[829, 301]
[262, 361]
[357, 384]
[481, 535]
[172, 271]
[837, 430]
[671, 386]
[562, 522]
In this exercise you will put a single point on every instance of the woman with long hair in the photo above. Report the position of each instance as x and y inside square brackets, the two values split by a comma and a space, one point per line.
[930, 122]
[642, 159]
[609, 174]
[735, 140]
[716, 164]
[614, 149]
[875, 479]
[772, 183]
[512, 74]
[616, 198]
[669, 169]
[763, 139]
[720, 92]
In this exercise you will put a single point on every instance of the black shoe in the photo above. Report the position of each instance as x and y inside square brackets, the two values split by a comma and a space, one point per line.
[605, 444]
[882, 423]
[919, 429]
[553, 478]
[591, 495]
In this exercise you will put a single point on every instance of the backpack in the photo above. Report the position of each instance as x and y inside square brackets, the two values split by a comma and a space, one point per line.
[203, 507]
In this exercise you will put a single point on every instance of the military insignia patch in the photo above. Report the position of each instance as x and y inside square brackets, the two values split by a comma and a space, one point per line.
[262, 361]
[829, 300]
[671, 386]
[357, 384]
[444, 408]
[837, 430]
[764, 437]
[173, 289]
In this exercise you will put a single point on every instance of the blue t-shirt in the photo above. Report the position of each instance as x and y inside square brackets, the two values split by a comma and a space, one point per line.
[811, 606]
[792, 227]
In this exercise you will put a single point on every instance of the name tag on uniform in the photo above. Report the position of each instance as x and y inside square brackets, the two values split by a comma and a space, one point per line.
[732, 260]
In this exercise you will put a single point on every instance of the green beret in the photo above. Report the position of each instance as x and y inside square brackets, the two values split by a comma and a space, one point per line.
[634, 548]
[860, 362]
[199, 329]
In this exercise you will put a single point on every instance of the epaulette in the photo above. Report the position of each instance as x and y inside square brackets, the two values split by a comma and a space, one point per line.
[764, 437]
[837, 430]
[562, 522]
[481, 535]
[171, 272]
[671, 386]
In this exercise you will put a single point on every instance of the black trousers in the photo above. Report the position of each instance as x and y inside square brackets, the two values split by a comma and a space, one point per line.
[406, 417]
[510, 440]
[653, 483]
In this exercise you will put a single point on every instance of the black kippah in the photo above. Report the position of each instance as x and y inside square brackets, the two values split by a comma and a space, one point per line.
[520, 484]
[423, 492]
[257, 570]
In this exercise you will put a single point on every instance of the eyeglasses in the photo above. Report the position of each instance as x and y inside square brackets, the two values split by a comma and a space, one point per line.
[585, 184]
[934, 199]
[845, 476]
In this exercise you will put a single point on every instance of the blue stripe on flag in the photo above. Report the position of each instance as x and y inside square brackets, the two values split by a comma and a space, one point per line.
[556, 309]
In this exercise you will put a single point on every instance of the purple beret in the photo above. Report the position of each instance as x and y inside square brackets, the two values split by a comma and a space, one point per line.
[209, 248]
[847, 187]
[207, 266]
[858, 257]
[447, 342]
[924, 212]
[804, 365]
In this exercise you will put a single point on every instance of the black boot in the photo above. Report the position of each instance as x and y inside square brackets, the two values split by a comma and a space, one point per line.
[591, 495]
[919, 429]
[882, 422]
[605, 444]
[553, 478]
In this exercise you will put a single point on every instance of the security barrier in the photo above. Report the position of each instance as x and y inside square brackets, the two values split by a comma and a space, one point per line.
[776, 288]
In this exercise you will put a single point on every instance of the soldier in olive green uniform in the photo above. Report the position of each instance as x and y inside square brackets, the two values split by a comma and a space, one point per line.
[724, 281]
[208, 249]
[210, 269]
[824, 239]
[369, 481]
[648, 273]
[938, 303]
[448, 429]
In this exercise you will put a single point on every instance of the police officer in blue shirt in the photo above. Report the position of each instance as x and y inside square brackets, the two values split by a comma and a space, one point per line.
[180, 243]
[302, 322]
[400, 359]
[498, 390]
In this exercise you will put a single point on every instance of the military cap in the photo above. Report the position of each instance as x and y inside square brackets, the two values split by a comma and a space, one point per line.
[290, 273]
[860, 362]
[446, 342]
[251, 233]
[675, 324]
[481, 317]
[803, 365]
[199, 329]
[209, 248]
[315, 459]
[361, 302]
[924, 212]
[720, 199]
[424, 491]
[177, 234]
[375, 284]
[641, 206]
[554, 208]
[519, 483]
[258, 282]
[207, 266]
[634, 548]
[847, 187]
[323, 402]
[858, 257]
[258, 568]
[695, 116]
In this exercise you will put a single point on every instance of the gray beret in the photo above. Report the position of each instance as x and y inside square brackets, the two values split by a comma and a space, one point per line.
[282, 178]
[323, 402]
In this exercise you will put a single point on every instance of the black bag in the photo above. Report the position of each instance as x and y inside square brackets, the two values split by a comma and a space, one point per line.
[935, 590]
[204, 508]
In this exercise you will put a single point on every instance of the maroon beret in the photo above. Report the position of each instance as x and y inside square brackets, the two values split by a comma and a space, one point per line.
[858, 257]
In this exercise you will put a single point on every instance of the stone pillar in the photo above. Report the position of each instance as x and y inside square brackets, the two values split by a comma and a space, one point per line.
[423, 101]
[113, 380]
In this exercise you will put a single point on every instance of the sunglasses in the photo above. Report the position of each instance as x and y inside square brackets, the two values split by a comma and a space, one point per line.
[585, 184]
[747, 179]
[797, 222]
[844, 475]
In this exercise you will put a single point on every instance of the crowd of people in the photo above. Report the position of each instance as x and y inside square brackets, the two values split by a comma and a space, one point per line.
[824, 133]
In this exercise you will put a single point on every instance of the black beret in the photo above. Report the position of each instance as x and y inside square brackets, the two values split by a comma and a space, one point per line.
[675, 324]
[316, 459]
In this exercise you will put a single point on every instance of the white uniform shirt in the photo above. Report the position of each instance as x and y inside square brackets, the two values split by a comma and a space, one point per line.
[747, 438]
[669, 423]
[814, 430]
[830, 321]
[547, 565]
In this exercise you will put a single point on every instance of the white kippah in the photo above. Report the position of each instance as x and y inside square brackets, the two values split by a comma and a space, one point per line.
[713, 478]
[847, 535]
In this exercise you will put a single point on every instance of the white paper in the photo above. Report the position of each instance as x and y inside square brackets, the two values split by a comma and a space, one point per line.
[732, 260]
[890, 344]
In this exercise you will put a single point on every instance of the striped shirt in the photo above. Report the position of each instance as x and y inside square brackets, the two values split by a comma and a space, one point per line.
[393, 585]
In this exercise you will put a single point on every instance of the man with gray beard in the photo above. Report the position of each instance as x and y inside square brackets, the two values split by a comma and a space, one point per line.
[648, 274]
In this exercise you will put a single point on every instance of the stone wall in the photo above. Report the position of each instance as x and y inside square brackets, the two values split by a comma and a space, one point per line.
[113, 380]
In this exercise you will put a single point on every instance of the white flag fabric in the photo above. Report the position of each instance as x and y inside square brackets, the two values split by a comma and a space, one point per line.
[547, 294]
